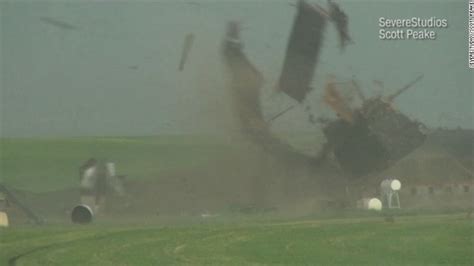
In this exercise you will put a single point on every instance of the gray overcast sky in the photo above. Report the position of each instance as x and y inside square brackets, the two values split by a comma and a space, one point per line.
[116, 74]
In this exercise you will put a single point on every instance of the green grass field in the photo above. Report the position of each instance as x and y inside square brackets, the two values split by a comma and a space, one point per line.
[40, 165]
[425, 240]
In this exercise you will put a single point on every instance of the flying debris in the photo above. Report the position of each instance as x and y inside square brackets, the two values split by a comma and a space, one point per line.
[58, 23]
[304, 46]
[188, 43]
[333, 98]
[392, 97]
[303, 51]
[341, 21]
[280, 113]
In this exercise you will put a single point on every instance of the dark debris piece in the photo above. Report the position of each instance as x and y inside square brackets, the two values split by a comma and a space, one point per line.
[303, 51]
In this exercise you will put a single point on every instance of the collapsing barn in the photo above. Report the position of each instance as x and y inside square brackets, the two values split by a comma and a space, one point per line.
[372, 137]
[364, 140]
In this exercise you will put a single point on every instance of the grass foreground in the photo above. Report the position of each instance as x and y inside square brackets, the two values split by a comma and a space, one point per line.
[417, 240]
